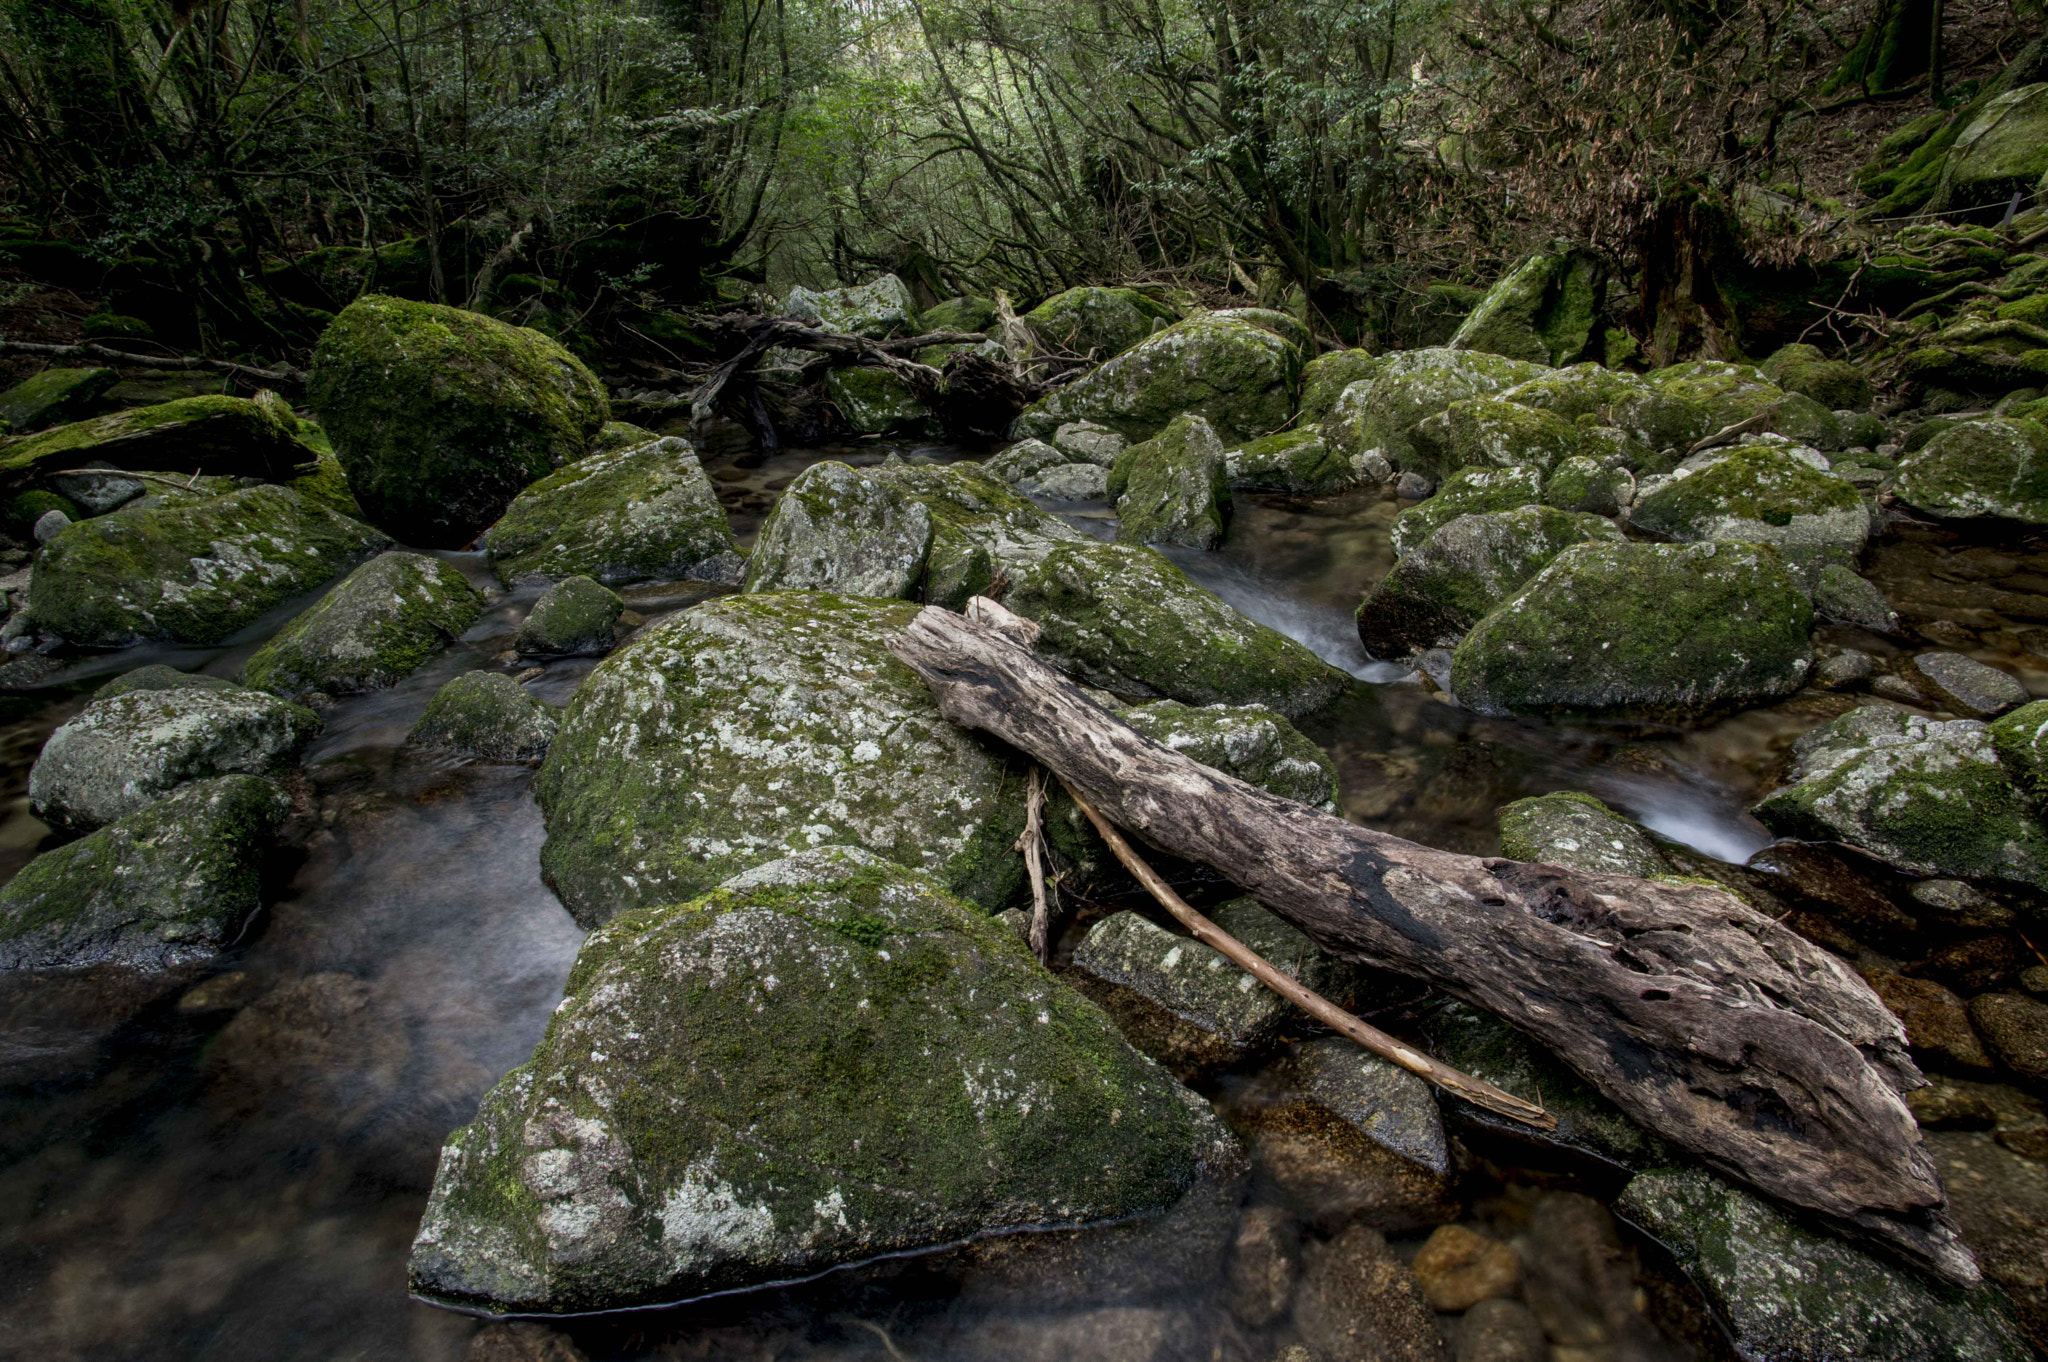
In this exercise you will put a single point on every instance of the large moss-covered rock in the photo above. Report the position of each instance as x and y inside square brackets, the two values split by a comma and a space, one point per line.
[1834, 383]
[158, 676]
[1097, 322]
[1928, 796]
[229, 436]
[442, 416]
[132, 748]
[1993, 469]
[194, 570]
[826, 1060]
[965, 313]
[1438, 591]
[1469, 491]
[1491, 432]
[1171, 489]
[1324, 379]
[1660, 417]
[646, 513]
[52, 396]
[168, 885]
[1247, 741]
[1545, 310]
[573, 618]
[1641, 630]
[1578, 831]
[757, 725]
[2005, 148]
[1406, 388]
[2021, 739]
[878, 309]
[875, 401]
[1234, 373]
[376, 628]
[486, 716]
[1758, 494]
[1789, 1294]
[1718, 394]
[1298, 461]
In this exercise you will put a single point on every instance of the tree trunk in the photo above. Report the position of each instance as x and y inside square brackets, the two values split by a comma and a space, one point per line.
[1702, 1019]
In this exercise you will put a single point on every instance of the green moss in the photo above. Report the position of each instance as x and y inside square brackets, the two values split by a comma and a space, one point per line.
[1576, 830]
[876, 401]
[442, 416]
[1758, 494]
[1299, 461]
[618, 436]
[1408, 388]
[488, 716]
[1100, 322]
[574, 616]
[1324, 379]
[960, 314]
[1542, 311]
[1835, 384]
[645, 512]
[51, 396]
[1995, 469]
[377, 627]
[24, 509]
[1239, 376]
[326, 487]
[1171, 489]
[1491, 432]
[1469, 491]
[194, 570]
[232, 436]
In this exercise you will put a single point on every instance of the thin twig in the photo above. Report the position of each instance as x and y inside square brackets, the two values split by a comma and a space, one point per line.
[1028, 843]
[1370, 1038]
[1748, 425]
[182, 484]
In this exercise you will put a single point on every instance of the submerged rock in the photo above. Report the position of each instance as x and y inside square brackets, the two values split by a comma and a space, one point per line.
[1993, 469]
[233, 436]
[52, 396]
[1227, 368]
[1641, 630]
[1927, 796]
[753, 726]
[442, 417]
[131, 749]
[487, 716]
[1439, 590]
[644, 513]
[191, 571]
[827, 1060]
[1791, 1295]
[573, 618]
[376, 628]
[168, 885]
[1171, 489]
[1359, 1303]
[1578, 831]
[1098, 322]
[1460, 1267]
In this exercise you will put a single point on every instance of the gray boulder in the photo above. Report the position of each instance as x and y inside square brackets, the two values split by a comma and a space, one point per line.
[652, 1150]
[1834, 383]
[192, 570]
[1578, 831]
[1097, 322]
[1089, 442]
[486, 716]
[1994, 469]
[645, 513]
[876, 401]
[1470, 491]
[877, 310]
[131, 749]
[1792, 1295]
[168, 885]
[1171, 489]
[1590, 485]
[1759, 494]
[49, 525]
[1841, 596]
[1252, 743]
[1025, 458]
[1491, 432]
[1232, 370]
[1301, 462]
[573, 618]
[1382, 411]
[1641, 630]
[376, 628]
[1439, 590]
[1963, 685]
[1068, 482]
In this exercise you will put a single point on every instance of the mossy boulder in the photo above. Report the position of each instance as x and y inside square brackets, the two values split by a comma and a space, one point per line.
[1758, 494]
[130, 749]
[191, 570]
[227, 436]
[377, 627]
[1661, 631]
[1439, 590]
[1234, 373]
[1994, 469]
[1490, 432]
[1188, 1006]
[2021, 740]
[1589, 484]
[1834, 383]
[757, 725]
[1171, 489]
[826, 1060]
[1409, 387]
[158, 676]
[1791, 1294]
[1660, 417]
[1578, 831]
[1324, 379]
[1545, 310]
[616, 437]
[876, 402]
[486, 716]
[1089, 442]
[630, 515]
[573, 618]
[1097, 322]
[25, 510]
[442, 417]
[878, 309]
[1928, 796]
[1469, 491]
[1297, 461]
[51, 397]
[1250, 742]
[1025, 458]
[965, 313]
[325, 485]
[168, 885]
[2004, 149]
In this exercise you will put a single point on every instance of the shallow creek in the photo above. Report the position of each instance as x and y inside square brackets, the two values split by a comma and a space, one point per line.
[231, 1163]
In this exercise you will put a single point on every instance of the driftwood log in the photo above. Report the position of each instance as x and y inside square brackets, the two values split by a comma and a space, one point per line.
[1699, 1017]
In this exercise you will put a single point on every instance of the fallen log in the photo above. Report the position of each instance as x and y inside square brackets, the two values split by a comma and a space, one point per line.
[1699, 1017]
[283, 374]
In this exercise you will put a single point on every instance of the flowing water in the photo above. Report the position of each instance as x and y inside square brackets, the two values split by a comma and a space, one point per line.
[230, 1162]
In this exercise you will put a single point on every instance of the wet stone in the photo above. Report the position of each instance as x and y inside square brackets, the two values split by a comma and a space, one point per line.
[641, 514]
[1089, 442]
[2015, 1029]
[1845, 670]
[1937, 1024]
[1264, 1262]
[1068, 482]
[1578, 831]
[1359, 1303]
[487, 716]
[573, 618]
[1840, 596]
[379, 626]
[1499, 1331]
[1459, 1267]
[521, 1341]
[1966, 686]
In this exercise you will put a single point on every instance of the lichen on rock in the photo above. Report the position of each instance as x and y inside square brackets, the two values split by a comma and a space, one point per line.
[1229, 369]
[378, 626]
[1576, 830]
[1381, 412]
[1992, 469]
[1171, 489]
[1469, 491]
[486, 716]
[643, 513]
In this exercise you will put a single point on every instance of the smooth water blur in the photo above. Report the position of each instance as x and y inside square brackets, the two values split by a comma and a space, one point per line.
[230, 1162]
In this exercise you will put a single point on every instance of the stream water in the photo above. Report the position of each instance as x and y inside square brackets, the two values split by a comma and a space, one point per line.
[230, 1163]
